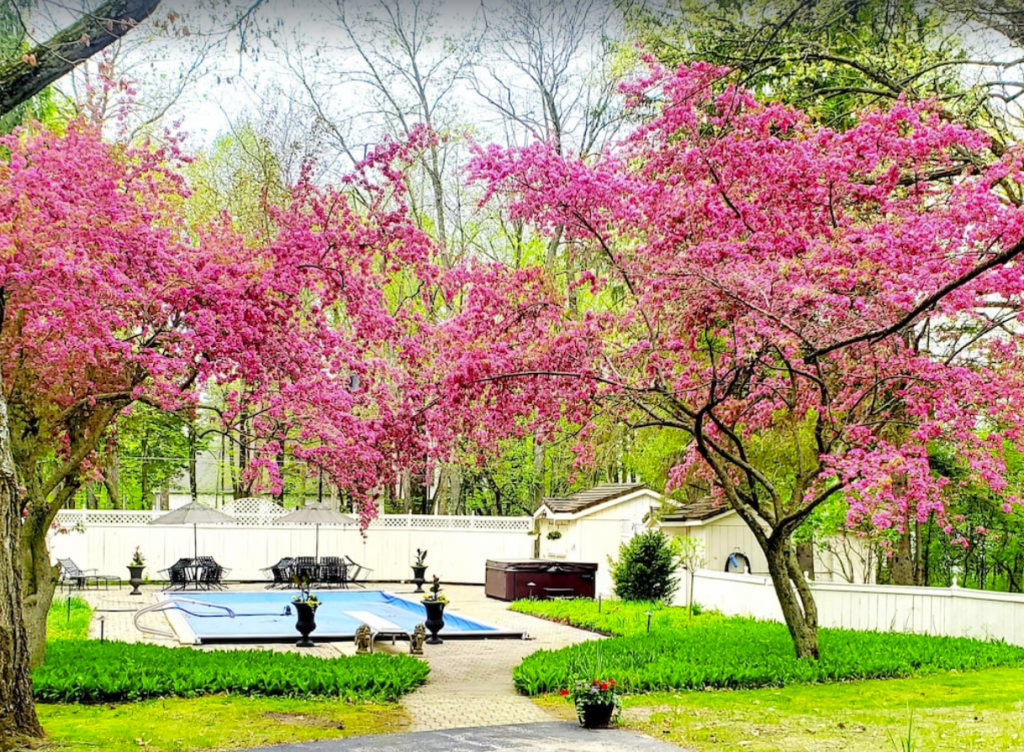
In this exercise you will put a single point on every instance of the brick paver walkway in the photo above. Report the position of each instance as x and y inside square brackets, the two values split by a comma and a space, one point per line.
[470, 681]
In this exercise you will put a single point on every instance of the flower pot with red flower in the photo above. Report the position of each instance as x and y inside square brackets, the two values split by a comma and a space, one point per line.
[597, 701]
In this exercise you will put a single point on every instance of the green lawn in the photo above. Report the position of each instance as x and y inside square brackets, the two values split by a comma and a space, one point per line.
[942, 711]
[213, 722]
[76, 666]
[982, 711]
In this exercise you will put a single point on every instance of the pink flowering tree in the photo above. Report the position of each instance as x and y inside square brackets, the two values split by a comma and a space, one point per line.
[109, 299]
[855, 295]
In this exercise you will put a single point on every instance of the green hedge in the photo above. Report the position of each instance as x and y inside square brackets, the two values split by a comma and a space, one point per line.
[90, 671]
[743, 653]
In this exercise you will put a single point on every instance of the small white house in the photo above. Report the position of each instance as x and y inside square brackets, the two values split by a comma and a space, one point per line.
[590, 525]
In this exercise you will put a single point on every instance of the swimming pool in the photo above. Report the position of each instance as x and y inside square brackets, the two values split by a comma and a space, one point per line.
[260, 616]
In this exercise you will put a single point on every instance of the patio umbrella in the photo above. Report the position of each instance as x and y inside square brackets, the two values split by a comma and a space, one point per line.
[193, 514]
[315, 516]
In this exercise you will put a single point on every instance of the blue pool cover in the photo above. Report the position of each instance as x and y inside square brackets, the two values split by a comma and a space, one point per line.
[261, 616]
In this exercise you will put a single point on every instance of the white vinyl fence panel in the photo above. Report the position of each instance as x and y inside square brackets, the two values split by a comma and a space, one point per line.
[458, 546]
[950, 612]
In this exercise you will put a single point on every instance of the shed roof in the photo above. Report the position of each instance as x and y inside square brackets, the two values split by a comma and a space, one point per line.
[702, 509]
[590, 497]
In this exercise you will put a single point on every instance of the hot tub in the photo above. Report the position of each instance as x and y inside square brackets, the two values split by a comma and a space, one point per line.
[512, 579]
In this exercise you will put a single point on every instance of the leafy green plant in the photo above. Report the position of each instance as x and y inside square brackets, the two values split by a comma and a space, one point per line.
[743, 653]
[646, 569]
[554, 535]
[89, 671]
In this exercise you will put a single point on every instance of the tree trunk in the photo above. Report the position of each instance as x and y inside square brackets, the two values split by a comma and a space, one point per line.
[795, 598]
[193, 480]
[903, 560]
[18, 721]
[39, 581]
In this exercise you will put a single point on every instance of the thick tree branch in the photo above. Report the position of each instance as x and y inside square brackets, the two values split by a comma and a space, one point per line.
[998, 260]
[20, 80]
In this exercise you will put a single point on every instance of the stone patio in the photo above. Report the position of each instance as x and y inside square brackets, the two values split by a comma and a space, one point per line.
[470, 682]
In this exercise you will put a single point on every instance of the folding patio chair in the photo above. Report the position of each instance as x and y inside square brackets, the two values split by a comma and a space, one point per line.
[281, 572]
[306, 570]
[72, 576]
[357, 573]
[177, 574]
[210, 573]
[333, 572]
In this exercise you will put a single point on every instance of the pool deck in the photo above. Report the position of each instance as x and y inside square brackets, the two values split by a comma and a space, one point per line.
[470, 682]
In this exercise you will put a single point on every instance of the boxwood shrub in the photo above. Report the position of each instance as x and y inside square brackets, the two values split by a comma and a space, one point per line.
[743, 653]
[91, 671]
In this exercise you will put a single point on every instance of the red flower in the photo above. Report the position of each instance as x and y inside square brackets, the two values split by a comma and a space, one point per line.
[604, 686]
[612, 682]
[564, 692]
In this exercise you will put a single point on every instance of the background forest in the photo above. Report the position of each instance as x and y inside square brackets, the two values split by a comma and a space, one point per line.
[268, 91]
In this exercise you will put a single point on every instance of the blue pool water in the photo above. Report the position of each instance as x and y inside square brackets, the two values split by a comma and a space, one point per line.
[260, 616]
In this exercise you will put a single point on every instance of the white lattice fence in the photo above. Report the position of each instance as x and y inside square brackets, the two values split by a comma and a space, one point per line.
[458, 546]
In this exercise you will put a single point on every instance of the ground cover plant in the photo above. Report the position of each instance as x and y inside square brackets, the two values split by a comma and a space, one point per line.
[735, 653]
[619, 618]
[91, 671]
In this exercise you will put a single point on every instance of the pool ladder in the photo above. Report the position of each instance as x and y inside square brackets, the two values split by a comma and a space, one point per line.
[171, 603]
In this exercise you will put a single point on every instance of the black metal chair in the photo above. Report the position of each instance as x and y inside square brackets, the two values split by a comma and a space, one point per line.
[281, 572]
[357, 573]
[73, 576]
[210, 573]
[306, 570]
[178, 574]
[333, 572]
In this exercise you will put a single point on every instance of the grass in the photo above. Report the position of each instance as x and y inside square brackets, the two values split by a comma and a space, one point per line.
[733, 653]
[952, 712]
[58, 624]
[214, 722]
[618, 618]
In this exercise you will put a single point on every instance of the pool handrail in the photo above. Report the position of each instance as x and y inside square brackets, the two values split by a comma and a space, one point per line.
[163, 605]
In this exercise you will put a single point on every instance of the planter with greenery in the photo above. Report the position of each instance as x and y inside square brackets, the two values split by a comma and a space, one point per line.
[306, 604]
[419, 569]
[434, 603]
[135, 571]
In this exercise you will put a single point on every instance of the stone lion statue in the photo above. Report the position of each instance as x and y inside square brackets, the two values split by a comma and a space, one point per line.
[363, 639]
[419, 636]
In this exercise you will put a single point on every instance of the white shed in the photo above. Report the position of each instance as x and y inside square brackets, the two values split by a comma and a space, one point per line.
[722, 533]
[590, 525]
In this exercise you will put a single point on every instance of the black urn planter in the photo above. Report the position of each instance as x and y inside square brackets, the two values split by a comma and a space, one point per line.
[419, 576]
[595, 716]
[434, 621]
[306, 623]
[135, 578]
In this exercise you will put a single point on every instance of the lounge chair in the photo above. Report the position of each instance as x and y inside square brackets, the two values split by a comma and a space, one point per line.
[72, 576]
[357, 573]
